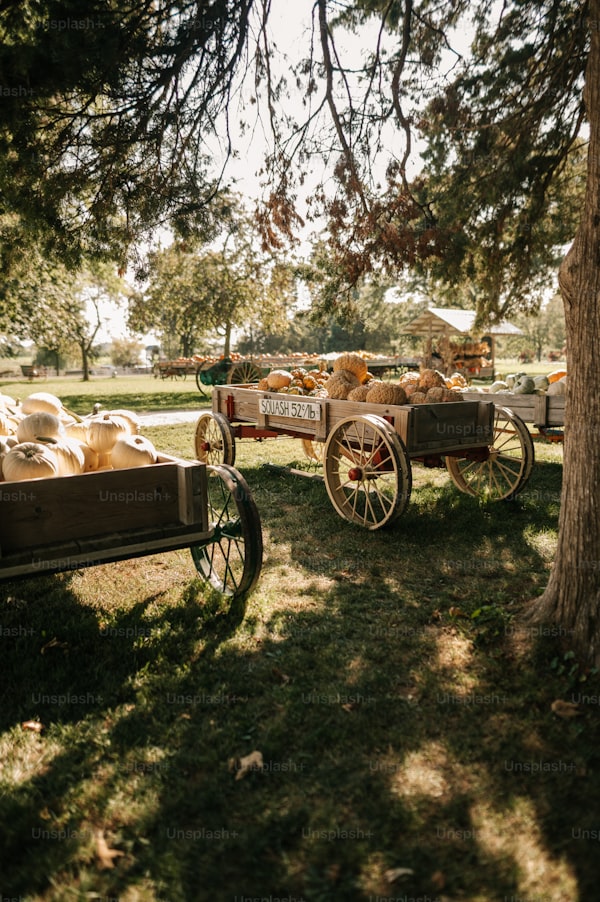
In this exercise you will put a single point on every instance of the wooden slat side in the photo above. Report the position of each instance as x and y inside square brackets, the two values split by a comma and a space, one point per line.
[43, 511]
[192, 490]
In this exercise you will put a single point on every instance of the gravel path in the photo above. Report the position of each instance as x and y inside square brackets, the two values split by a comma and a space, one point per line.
[168, 416]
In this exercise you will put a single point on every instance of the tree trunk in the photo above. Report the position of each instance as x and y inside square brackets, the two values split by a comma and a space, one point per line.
[84, 361]
[227, 347]
[571, 601]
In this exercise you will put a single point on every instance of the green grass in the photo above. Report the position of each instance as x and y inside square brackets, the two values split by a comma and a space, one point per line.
[141, 393]
[404, 723]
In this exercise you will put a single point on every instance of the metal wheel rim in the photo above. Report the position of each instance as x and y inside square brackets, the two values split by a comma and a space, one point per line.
[231, 562]
[504, 474]
[213, 440]
[359, 487]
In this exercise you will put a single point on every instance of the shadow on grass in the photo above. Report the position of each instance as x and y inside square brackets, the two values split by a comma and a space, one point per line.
[399, 733]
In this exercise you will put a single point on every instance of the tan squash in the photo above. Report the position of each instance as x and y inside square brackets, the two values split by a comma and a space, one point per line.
[103, 433]
[133, 451]
[42, 402]
[31, 427]
[29, 460]
[68, 454]
[130, 418]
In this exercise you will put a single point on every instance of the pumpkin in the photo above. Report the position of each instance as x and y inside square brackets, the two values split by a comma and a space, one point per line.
[103, 432]
[386, 393]
[499, 385]
[431, 379]
[359, 393]
[7, 401]
[6, 423]
[29, 460]
[34, 425]
[541, 383]
[418, 397]
[352, 363]
[130, 418]
[340, 384]
[525, 386]
[558, 388]
[91, 458]
[43, 402]
[435, 395]
[68, 454]
[133, 451]
[77, 430]
[556, 376]
[278, 379]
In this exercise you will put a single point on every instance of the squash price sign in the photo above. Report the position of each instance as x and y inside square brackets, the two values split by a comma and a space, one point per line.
[295, 408]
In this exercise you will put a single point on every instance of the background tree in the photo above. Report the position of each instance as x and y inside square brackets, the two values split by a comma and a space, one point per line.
[194, 291]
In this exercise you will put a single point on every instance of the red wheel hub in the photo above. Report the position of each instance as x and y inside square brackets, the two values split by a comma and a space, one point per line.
[206, 446]
[355, 474]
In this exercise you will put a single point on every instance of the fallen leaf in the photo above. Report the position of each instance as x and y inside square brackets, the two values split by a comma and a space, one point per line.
[565, 709]
[243, 766]
[103, 853]
[280, 676]
[54, 643]
[438, 880]
[34, 725]
[456, 612]
[393, 874]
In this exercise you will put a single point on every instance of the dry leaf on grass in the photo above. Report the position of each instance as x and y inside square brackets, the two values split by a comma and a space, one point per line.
[54, 643]
[243, 766]
[565, 709]
[33, 725]
[280, 676]
[105, 855]
[393, 874]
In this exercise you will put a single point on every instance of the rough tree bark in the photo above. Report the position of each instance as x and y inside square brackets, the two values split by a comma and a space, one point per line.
[571, 601]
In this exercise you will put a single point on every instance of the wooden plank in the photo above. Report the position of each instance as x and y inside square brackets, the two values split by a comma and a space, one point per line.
[192, 491]
[74, 555]
[42, 511]
[541, 410]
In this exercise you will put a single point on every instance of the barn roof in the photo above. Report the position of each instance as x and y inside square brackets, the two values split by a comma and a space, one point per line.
[448, 320]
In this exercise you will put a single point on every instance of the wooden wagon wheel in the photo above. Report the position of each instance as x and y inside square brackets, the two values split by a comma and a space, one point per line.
[367, 471]
[313, 450]
[508, 467]
[231, 559]
[243, 373]
[214, 441]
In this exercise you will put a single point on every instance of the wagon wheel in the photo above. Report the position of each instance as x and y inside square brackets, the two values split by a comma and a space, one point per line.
[313, 450]
[508, 467]
[367, 471]
[214, 440]
[243, 373]
[232, 559]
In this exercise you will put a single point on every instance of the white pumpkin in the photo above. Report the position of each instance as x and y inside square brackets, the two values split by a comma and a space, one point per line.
[39, 425]
[42, 401]
[103, 432]
[130, 418]
[68, 454]
[29, 460]
[77, 430]
[91, 458]
[133, 451]
[7, 401]
[6, 423]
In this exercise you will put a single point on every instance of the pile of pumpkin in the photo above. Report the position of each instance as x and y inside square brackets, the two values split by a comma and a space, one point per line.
[522, 384]
[39, 438]
[352, 381]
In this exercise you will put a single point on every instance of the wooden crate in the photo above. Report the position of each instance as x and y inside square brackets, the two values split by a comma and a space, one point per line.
[424, 428]
[49, 525]
[541, 410]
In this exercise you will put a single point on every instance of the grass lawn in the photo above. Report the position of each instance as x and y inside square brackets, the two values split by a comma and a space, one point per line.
[408, 742]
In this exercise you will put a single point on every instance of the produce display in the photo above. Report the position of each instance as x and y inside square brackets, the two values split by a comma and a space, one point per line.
[352, 381]
[41, 439]
[522, 384]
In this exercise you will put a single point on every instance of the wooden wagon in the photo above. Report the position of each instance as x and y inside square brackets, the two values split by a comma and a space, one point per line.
[366, 449]
[546, 413]
[67, 523]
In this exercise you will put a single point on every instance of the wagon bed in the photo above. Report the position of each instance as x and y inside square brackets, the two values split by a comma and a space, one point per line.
[67, 523]
[542, 411]
[366, 449]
